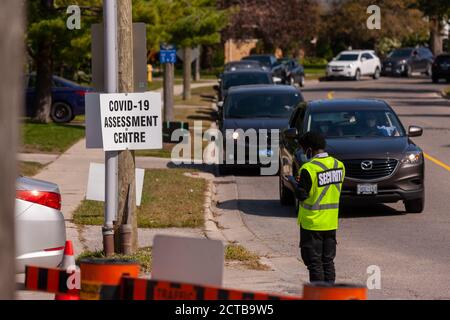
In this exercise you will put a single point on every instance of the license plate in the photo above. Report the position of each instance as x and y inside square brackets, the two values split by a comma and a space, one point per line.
[388, 69]
[367, 189]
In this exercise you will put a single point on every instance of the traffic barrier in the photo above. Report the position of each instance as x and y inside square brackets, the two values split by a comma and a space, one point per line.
[143, 289]
[101, 278]
[49, 280]
[324, 291]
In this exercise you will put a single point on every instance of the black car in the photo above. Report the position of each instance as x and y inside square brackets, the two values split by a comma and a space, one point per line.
[405, 61]
[269, 61]
[294, 72]
[441, 68]
[383, 165]
[242, 77]
[247, 116]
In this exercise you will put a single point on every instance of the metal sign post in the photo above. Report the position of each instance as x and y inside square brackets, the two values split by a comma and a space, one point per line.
[111, 157]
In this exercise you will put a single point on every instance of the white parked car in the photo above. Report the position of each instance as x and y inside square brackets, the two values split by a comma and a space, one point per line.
[40, 225]
[355, 64]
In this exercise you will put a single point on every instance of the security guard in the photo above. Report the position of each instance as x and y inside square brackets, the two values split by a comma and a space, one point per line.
[319, 189]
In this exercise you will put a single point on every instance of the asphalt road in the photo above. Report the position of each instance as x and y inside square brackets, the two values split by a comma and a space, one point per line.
[411, 250]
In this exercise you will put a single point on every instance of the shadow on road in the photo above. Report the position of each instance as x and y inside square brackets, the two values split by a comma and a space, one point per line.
[273, 208]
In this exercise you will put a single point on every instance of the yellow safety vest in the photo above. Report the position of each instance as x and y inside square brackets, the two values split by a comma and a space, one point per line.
[321, 210]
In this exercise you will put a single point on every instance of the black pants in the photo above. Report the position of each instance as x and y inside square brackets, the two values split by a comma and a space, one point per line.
[318, 249]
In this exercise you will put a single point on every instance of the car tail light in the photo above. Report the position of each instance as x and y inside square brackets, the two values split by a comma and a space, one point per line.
[81, 93]
[45, 198]
[54, 249]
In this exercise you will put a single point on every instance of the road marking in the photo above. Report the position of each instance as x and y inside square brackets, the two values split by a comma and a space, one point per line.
[436, 161]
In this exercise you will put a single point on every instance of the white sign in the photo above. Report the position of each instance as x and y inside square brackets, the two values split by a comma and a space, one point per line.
[131, 121]
[96, 183]
[188, 260]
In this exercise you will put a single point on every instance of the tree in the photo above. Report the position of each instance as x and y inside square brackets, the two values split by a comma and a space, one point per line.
[437, 11]
[284, 24]
[50, 43]
[198, 22]
[345, 24]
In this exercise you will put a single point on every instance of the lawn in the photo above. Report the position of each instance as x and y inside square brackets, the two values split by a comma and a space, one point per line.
[49, 138]
[29, 169]
[169, 199]
[202, 96]
[315, 72]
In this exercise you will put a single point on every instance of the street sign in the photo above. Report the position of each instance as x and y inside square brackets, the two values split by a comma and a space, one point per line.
[167, 54]
[195, 54]
[131, 121]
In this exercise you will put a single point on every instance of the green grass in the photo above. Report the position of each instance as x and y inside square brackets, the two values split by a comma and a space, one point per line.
[166, 152]
[143, 256]
[169, 199]
[49, 138]
[202, 96]
[315, 72]
[447, 93]
[235, 252]
[29, 169]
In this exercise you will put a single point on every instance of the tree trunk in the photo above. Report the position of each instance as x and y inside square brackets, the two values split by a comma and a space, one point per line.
[43, 98]
[168, 91]
[436, 35]
[126, 215]
[12, 60]
[187, 72]
[197, 64]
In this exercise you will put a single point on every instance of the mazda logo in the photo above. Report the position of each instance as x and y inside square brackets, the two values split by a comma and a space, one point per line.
[367, 165]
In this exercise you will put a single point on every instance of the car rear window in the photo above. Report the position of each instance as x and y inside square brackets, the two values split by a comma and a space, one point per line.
[441, 59]
[242, 79]
[262, 105]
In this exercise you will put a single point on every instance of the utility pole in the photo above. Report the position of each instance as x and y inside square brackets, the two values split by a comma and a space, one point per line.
[168, 91]
[187, 72]
[125, 230]
[11, 101]
[111, 157]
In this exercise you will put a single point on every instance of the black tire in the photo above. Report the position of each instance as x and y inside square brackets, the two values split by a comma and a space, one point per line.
[408, 72]
[377, 74]
[287, 198]
[61, 112]
[223, 170]
[435, 79]
[415, 206]
[357, 75]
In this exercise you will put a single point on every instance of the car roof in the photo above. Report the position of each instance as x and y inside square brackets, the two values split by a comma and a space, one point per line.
[356, 51]
[348, 105]
[249, 70]
[272, 88]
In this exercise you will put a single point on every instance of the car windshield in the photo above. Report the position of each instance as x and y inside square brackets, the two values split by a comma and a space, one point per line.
[249, 64]
[401, 53]
[347, 57]
[242, 79]
[261, 105]
[264, 60]
[356, 124]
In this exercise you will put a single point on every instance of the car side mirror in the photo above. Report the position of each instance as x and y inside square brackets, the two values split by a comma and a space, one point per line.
[363, 59]
[415, 131]
[290, 133]
[220, 104]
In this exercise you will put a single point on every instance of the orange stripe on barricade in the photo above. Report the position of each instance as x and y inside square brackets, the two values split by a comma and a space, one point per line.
[48, 280]
[141, 289]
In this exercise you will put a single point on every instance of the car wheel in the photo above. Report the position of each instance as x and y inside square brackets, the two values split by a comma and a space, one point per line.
[357, 75]
[286, 196]
[61, 112]
[415, 206]
[376, 75]
[435, 79]
[408, 72]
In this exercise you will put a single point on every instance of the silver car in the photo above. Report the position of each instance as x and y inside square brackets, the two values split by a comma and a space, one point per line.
[40, 225]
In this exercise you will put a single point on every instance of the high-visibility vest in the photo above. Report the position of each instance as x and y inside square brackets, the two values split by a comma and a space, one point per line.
[320, 211]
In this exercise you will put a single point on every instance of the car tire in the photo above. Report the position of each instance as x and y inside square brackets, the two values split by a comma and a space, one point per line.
[435, 79]
[223, 170]
[357, 75]
[408, 72]
[287, 198]
[377, 74]
[61, 112]
[415, 206]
